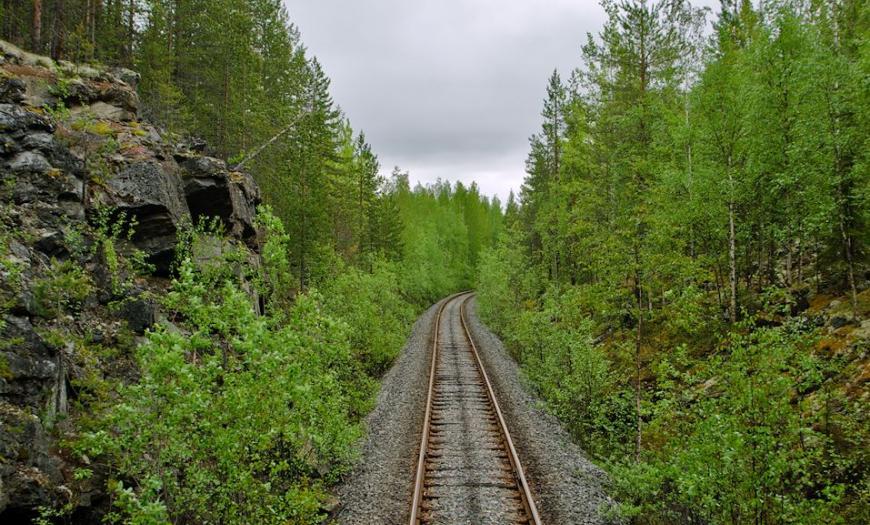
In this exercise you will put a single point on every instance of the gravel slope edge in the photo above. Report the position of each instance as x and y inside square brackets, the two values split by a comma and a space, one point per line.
[567, 486]
[379, 488]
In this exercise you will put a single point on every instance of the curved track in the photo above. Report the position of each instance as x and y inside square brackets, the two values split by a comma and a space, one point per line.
[468, 470]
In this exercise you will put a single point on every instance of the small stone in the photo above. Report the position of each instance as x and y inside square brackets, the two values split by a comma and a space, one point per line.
[40, 141]
[29, 162]
[839, 321]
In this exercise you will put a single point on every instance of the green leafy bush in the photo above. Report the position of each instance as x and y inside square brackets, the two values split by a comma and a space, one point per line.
[236, 419]
[63, 287]
[375, 311]
[239, 417]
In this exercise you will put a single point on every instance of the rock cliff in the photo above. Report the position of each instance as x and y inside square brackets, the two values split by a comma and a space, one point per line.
[92, 200]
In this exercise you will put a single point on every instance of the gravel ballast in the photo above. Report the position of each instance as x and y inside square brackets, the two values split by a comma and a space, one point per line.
[379, 489]
[567, 487]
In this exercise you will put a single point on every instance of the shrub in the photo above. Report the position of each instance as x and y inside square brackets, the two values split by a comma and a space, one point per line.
[64, 287]
[377, 315]
[239, 417]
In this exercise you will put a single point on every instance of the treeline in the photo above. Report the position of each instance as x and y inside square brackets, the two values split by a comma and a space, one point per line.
[447, 228]
[686, 197]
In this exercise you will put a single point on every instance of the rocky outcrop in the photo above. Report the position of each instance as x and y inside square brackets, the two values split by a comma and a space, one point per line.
[75, 162]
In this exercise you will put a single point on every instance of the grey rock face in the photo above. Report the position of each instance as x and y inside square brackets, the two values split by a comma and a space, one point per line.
[27, 364]
[87, 93]
[14, 118]
[146, 192]
[102, 110]
[29, 162]
[211, 191]
[12, 90]
[55, 173]
[140, 313]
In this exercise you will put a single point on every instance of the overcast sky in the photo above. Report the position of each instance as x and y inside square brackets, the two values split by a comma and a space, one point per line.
[448, 89]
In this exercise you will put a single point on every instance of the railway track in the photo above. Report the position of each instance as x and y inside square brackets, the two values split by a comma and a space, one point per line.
[468, 470]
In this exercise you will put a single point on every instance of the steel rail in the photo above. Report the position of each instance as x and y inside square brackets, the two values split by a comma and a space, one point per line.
[424, 441]
[528, 500]
[518, 473]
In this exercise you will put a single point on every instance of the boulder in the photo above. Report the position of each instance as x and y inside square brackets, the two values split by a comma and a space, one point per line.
[52, 244]
[104, 111]
[15, 118]
[839, 321]
[12, 90]
[91, 93]
[146, 192]
[29, 473]
[8, 145]
[127, 76]
[41, 141]
[36, 180]
[212, 191]
[27, 365]
[28, 162]
[139, 312]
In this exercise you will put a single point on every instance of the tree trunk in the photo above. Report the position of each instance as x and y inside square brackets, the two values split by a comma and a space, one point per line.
[303, 232]
[36, 35]
[850, 265]
[131, 31]
[58, 28]
[732, 249]
[96, 5]
[637, 356]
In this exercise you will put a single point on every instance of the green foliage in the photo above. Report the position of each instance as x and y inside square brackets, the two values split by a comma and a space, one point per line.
[64, 287]
[446, 228]
[144, 508]
[749, 453]
[678, 185]
[276, 281]
[5, 371]
[375, 311]
[239, 417]
[125, 265]
[11, 270]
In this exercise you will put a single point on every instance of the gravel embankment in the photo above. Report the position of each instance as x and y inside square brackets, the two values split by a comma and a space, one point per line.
[568, 487]
[379, 489]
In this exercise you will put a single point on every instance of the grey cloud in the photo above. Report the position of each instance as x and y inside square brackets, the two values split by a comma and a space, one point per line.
[448, 88]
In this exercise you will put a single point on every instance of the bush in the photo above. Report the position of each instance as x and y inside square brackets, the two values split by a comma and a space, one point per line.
[236, 417]
[377, 316]
[65, 286]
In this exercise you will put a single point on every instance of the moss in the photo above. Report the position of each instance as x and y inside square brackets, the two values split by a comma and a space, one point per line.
[5, 371]
[96, 127]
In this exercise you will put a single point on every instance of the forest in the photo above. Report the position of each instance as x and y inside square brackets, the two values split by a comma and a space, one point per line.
[681, 277]
[693, 204]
